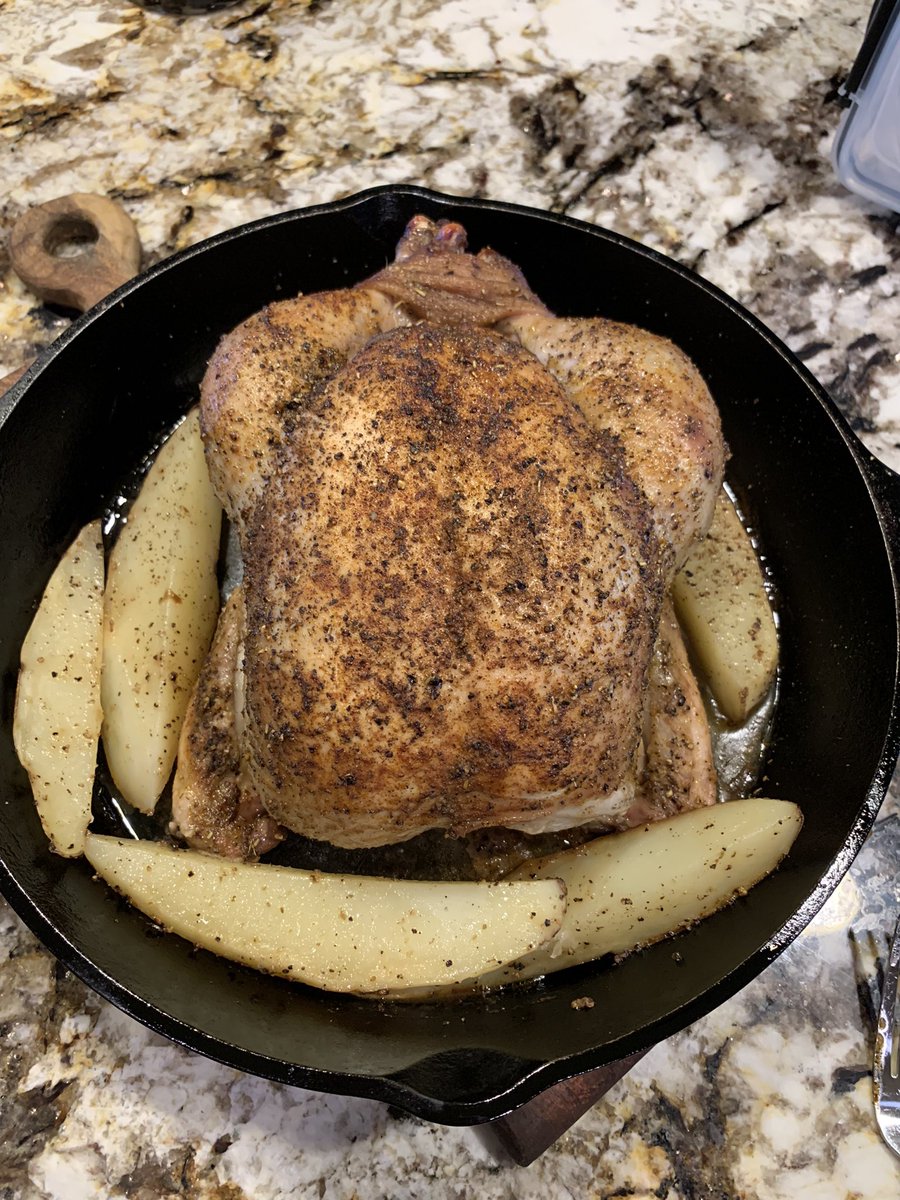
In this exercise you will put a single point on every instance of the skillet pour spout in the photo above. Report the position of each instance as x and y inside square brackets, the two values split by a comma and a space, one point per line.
[825, 513]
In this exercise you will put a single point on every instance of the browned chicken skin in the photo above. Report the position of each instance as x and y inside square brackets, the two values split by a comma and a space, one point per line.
[455, 630]
[453, 573]
[213, 805]
[648, 393]
[678, 770]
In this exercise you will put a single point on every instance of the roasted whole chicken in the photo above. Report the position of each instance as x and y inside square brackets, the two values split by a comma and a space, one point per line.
[458, 516]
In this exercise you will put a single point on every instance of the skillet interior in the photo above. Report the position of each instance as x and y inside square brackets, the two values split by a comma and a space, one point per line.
[72, 429]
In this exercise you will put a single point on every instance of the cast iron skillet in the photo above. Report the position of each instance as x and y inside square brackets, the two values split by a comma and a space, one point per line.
[827, 515]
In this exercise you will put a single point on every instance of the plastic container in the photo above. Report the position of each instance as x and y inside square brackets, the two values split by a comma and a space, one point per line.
[866, 151]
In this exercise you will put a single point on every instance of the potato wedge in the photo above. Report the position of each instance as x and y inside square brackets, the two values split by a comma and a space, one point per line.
[722, 605]
[342, 933]
[629, 889]
[56, 724]
[160, 611]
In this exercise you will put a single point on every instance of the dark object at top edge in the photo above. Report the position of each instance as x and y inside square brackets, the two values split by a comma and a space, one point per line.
[879, 19]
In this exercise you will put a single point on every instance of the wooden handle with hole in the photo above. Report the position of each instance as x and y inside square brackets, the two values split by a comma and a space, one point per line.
[111, 253]
[108, 252]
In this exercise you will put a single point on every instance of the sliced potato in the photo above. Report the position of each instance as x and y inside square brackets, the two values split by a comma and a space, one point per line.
[56, 724]
[160, 612]
[721, 602]
[339, 932]
[628, 889]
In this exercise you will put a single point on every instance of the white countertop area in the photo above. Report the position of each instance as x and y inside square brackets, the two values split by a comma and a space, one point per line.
[701, 130]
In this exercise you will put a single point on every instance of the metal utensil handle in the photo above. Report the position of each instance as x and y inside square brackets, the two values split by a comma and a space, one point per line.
[886, 1078]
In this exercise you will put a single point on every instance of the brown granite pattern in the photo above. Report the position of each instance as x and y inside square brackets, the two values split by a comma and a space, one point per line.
[702, 130]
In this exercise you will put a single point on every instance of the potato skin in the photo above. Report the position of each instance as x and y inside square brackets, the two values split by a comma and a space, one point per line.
[159, 614]
[56, 725]
[722, 605]
[343, 933]
[627, 890]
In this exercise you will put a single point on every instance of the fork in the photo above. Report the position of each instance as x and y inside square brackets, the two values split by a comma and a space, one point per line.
[886, 1067]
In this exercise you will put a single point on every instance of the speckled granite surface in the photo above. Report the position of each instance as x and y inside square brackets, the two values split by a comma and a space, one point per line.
[702, 130]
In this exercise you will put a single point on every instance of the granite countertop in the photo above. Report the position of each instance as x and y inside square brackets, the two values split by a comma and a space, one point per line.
[703, 131]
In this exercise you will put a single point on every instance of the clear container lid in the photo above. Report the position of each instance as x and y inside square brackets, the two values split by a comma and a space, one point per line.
[866, 151]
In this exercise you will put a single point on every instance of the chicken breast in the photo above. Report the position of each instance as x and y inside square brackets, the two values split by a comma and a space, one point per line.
[454, 561]
[258, 387]
[648, 393]
[452, 594]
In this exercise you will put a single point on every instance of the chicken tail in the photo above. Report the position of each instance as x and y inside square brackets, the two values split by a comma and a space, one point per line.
[437, 280]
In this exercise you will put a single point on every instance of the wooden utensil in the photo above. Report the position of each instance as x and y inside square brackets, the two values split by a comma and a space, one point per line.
[73, 251]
